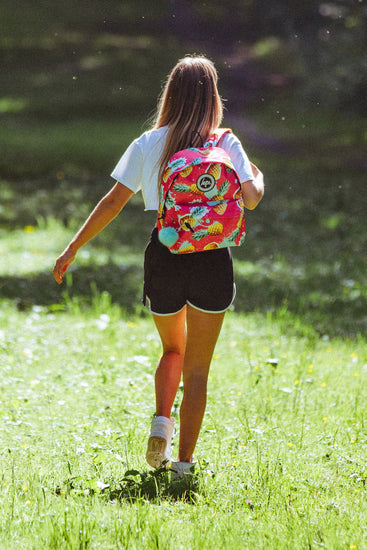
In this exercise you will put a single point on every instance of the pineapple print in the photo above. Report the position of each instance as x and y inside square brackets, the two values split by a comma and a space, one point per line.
[198, 212]
[169, 202]
[166, 174]
[177, 163]
[186, 247]
[183, 188]
[194, 189]
[211, 246]
[242, 240]
[233, 236]
[186, 172]
[214, 170]
[187, 222]
[230, 240]
[220, 208]
[215, 229]
[222, 191]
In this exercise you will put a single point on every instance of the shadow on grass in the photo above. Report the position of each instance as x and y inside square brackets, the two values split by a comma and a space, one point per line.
[318, 299]
[305, 250]
[122, 283]
[135, 486]
[154, 485]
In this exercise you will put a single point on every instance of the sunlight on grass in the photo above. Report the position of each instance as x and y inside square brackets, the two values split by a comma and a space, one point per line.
[32, 249]
[282, 451]
[12, 104]
[282, 444]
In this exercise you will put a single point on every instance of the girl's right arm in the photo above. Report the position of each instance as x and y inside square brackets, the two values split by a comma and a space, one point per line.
[105, 211]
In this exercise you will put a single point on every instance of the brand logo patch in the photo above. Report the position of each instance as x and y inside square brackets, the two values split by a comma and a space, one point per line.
[205, 183]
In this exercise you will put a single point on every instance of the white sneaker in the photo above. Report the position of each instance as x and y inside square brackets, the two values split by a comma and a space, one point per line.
[160, 441]
[182, 470]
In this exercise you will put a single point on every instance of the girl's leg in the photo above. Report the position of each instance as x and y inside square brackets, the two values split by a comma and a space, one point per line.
[202, 333]
[171, 329]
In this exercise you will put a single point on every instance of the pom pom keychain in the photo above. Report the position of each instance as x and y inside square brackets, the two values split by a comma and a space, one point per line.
[168, 236]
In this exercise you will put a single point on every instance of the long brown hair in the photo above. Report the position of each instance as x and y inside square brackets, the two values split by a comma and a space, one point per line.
[190, 105]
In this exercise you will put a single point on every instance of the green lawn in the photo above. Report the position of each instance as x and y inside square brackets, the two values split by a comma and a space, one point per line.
[281, 452]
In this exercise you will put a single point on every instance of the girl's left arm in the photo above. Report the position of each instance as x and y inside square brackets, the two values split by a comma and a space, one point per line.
[105, 211]
[253, 190]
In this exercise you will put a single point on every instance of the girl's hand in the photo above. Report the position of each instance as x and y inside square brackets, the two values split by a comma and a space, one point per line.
[62, 263]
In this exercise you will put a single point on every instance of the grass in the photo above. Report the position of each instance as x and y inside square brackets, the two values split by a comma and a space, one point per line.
[323, 280]
[54, 149]
[284, 435]
[282, 450]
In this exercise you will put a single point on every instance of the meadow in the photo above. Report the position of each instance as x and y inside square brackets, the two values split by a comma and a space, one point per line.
[282, 452]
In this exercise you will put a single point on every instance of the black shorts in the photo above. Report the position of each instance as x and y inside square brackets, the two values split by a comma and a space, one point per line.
[202, 279]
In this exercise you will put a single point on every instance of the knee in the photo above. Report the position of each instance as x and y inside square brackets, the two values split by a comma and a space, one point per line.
[173, 356]
[195, 380]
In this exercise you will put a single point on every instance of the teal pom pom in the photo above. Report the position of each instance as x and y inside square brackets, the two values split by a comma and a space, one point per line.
[168, 236]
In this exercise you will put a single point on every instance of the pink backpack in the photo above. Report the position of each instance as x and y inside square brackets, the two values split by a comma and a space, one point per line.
[201, 206]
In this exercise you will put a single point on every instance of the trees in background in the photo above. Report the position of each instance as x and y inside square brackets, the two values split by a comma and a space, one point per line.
[328, 39]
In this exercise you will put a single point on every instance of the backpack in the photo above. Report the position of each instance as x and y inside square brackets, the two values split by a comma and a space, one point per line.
[200, 205]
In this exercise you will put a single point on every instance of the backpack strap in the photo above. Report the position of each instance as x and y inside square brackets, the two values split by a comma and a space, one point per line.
[217, 137]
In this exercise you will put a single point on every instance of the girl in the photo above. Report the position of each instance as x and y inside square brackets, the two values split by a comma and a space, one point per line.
[188, 311]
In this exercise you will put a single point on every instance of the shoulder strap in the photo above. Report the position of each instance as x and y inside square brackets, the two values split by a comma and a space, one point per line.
[217, 137]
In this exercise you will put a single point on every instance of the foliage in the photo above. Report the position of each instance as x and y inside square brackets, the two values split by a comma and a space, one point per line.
[284, 436]
[305, 248]
[60, 137]
[282, 449]
[335, 60]
[327, 40]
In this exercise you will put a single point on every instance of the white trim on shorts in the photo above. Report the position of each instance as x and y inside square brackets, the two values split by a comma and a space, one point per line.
[161, 314]
[192, 305]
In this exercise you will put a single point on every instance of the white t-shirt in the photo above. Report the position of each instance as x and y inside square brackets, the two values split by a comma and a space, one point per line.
[139, 166]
